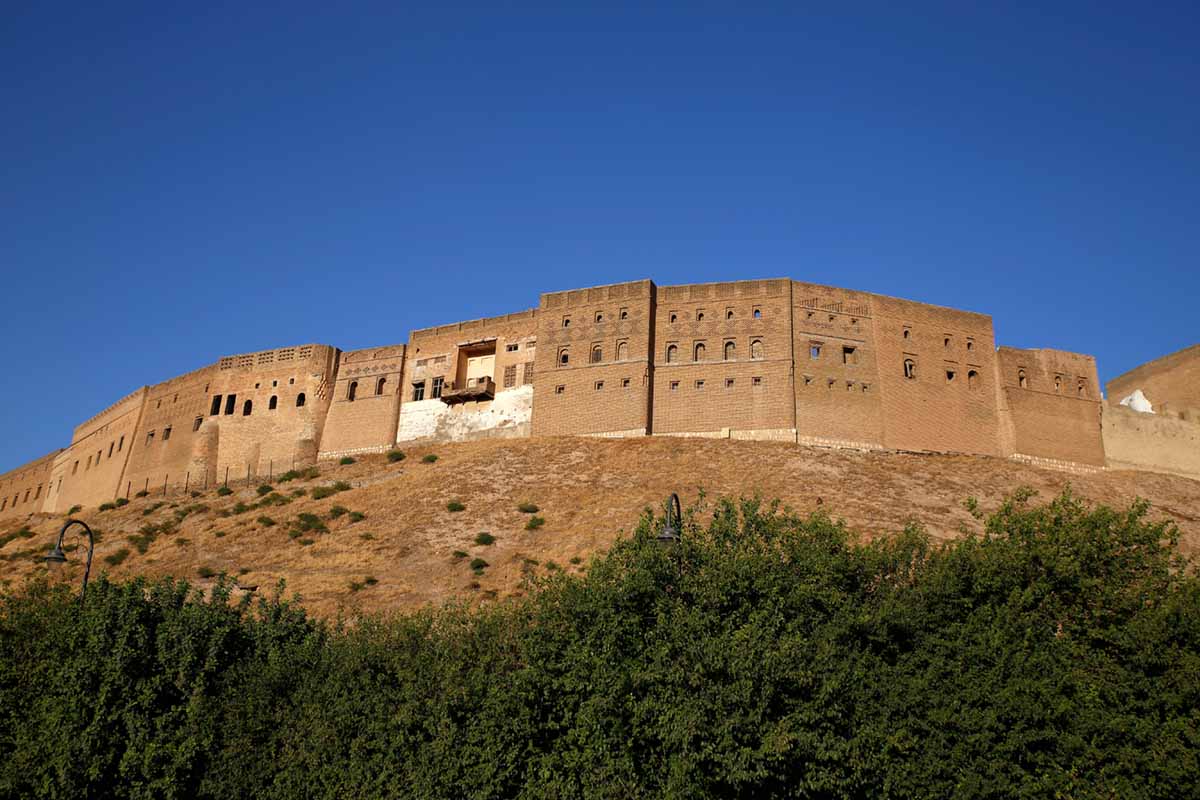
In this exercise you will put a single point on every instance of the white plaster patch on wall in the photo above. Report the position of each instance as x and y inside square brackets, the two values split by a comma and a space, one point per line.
[508, 415]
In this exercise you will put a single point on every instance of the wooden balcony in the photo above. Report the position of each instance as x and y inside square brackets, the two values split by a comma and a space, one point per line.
[483, 389]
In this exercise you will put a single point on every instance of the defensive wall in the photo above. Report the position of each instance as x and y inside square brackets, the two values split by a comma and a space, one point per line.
[763, 359]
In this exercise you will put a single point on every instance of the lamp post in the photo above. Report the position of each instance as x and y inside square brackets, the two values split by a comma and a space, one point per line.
[669, 536]
[57, 556]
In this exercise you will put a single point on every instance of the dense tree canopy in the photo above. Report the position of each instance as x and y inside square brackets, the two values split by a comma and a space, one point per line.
[1055, 652]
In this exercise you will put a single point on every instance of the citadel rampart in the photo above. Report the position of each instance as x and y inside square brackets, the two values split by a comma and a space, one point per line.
[765, 359]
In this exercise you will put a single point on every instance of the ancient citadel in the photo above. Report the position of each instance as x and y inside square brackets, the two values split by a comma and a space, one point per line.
[765, 359]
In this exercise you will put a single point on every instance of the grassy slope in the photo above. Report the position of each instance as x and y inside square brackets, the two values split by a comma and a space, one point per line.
[588, 491]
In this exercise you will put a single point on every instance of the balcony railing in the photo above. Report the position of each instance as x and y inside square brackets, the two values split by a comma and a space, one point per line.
[481, 389]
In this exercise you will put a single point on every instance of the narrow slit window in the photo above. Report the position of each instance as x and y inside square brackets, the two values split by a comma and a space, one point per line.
[352, 391]
[300, 400]
[910, 369]
[273, 403]
[247, 408]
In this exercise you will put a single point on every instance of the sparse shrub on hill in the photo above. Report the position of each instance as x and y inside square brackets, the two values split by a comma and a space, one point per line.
[534, 523]
[1052, 654]
[142, 493]
[356, 516]
[455, 506]
[265, 521]
[120, 501]
[116, 558]
[206, 572]
[224, 491]
[484, 538]
[527, 508]
[429, 458]
[338, 511]
[107, 506]
[478, 565]
[264, 489]
[395, 455]
[74, 510]
[346, 461]
[308, 473]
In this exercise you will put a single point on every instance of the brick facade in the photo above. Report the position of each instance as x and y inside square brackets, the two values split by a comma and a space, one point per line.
[764, 359]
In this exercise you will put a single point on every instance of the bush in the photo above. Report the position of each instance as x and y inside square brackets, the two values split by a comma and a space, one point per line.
[367, 537]
[120, 501]
[395, 455]
[478, 565]
[454, 507]
[107, 506]
[265, 489]
[356, 516]
[338, 511]
[527, 508]
[429, 459]
[194, 493]
[484, 538]
[142, 493]
[74, 510]
[224, 491]
[321, 492]
[306, 542]
[114, 559]
[1053, 654]
[241, 508]
[534, 523]
[206, 572]
[308, 473]
[266, 521]
[346, 461]
[459, 555]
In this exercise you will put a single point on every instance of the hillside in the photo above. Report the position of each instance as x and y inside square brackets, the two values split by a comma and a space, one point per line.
[587, 490]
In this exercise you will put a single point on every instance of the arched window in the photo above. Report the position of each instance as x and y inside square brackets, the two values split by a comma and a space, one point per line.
[352, 391]
[273, 403]
[758, 313]
[1058, 384]
[672, 353]
[379, 384]
[1081, 389]
[730, 351]
[597, 354]
[247, 407]
[1022, 380]
[299, 400]
[910, 369]
[698, 352]
[564, 357]
[622, 351]
[756, 348]
[972, 379]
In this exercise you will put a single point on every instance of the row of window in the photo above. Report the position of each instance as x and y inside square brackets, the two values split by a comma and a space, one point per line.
[117, 446]
[352, 389]
[17, 497]
[671, 354]
[1080, 384]
[973, 380]
[247, 406]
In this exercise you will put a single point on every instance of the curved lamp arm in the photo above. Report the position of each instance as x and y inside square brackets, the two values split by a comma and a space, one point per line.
[58, 556]
[673, 528]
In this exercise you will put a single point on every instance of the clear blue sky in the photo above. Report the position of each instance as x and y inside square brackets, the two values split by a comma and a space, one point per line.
[180, 182]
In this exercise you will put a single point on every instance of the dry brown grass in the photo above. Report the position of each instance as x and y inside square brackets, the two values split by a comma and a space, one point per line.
[588, 491]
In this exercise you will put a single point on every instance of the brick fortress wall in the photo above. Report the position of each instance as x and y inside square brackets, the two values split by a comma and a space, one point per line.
[767, 359]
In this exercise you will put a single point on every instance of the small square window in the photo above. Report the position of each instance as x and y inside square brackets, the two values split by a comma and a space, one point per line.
[674, 317]
[291, 381]
[947, 342]
[623, 313]
[599, 316]
[274, 384]
[729, 313]
[512, 348]
[950, 376]
[757, 312]
[699, 386]
[624, 383]
[729, 383]
[559, 389]
[814, 350]
[849, 354]
[599, 385]
[849, 386]
[829, 383]
[808, 379]
[700, 315]
[970, 344]
[866, 387]
[566, 322]
[674, 386]
[756, 381]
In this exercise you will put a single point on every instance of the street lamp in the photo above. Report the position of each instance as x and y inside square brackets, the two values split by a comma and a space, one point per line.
[669, 536]
[57, 556]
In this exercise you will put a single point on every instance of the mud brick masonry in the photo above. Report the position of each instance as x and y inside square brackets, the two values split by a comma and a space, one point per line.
[775, 360]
